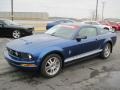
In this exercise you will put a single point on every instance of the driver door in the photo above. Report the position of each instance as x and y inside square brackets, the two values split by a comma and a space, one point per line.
[91, 43]
[85, 46]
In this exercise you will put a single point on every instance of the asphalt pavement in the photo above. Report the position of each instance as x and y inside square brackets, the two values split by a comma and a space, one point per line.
[91, 74]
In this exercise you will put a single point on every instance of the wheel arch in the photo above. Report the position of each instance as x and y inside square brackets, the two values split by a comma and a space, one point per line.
[45, 54]
[111, 45]
[110, 42]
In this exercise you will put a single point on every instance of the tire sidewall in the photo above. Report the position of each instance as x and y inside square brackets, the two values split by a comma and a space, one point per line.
[103, 52]
[42, 69]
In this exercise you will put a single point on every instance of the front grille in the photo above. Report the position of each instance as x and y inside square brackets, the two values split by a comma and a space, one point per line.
[17, 54]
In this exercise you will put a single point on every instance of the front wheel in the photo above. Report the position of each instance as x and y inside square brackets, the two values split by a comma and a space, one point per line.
[16, 34]
[51, 65]
[106, 51]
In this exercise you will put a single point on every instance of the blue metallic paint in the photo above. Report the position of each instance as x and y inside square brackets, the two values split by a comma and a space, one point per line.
[41, 45]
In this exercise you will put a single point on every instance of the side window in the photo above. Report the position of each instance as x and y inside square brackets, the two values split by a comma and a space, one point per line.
[103, 31]
[88, 22]
[94, 23]
[88, 31]
[67, 21]
[1, 23]
[59, 22]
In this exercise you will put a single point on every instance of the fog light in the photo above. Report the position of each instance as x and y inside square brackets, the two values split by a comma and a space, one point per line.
[28, 65]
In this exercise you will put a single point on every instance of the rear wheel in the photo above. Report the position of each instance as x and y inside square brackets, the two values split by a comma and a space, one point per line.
[106, 51]
[16, 34]
[51, 65]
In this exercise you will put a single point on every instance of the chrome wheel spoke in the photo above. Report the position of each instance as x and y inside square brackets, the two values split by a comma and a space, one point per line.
[48, 68]
[107, 51]
[16, 34]
[52, 66]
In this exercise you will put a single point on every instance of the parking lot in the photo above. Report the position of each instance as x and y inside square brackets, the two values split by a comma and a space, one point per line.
[92, 74]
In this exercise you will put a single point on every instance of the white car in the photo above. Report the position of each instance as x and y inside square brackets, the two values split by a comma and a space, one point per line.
[98, 24]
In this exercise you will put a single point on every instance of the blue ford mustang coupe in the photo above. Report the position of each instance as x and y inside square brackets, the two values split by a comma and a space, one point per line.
[61, 44]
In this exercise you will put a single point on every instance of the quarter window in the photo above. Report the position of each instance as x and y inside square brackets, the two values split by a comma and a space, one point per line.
[89, 32]
[103, 31]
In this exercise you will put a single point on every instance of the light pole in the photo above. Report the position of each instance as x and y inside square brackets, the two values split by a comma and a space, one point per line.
[103, 6]
[96, 14]
[12, 14]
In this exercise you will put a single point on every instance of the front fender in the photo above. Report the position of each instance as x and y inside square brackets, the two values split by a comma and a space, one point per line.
[47, 51]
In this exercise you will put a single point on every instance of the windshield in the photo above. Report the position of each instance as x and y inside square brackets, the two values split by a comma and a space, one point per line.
[9, 22]
[63, 31]
[95, 23]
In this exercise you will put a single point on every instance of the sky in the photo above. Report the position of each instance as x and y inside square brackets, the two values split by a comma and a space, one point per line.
[64, 8]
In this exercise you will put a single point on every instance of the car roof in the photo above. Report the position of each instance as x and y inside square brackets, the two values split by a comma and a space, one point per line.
[81, 25]
[63, 20]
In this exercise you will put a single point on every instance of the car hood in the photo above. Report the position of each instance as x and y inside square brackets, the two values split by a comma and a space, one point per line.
[35, 43]
[21, 26]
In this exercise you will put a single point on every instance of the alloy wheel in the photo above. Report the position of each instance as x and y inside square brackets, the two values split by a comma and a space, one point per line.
[107, 50]
[52, 66]
[16, 34]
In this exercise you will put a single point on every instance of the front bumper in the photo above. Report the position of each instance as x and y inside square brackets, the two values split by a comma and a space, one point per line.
[28, 32]
[25, 65]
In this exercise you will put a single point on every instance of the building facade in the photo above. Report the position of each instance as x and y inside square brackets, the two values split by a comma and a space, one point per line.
[25, 15]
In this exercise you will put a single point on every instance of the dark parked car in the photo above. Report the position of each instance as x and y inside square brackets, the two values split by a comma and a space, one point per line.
[97, 24]
[61, 44]
[10, 28]
[51, 24]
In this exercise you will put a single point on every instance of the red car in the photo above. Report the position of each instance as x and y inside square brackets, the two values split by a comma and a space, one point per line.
[118, 23]
[114, 25]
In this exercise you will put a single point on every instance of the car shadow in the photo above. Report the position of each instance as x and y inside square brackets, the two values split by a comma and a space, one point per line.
[23, 75]
[6, 37]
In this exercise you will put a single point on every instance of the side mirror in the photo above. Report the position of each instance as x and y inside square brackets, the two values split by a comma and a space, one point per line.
[81, 37]
[1, 25]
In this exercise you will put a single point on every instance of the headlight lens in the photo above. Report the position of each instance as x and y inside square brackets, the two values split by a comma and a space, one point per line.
[19, 54]
[30, 56]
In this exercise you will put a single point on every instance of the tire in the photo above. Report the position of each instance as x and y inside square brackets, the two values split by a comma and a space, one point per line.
[106, 51]
[51, 65]
[16, 34]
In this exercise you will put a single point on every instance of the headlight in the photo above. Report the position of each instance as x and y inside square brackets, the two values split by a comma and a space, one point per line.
[29, 56]
[26, 56]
